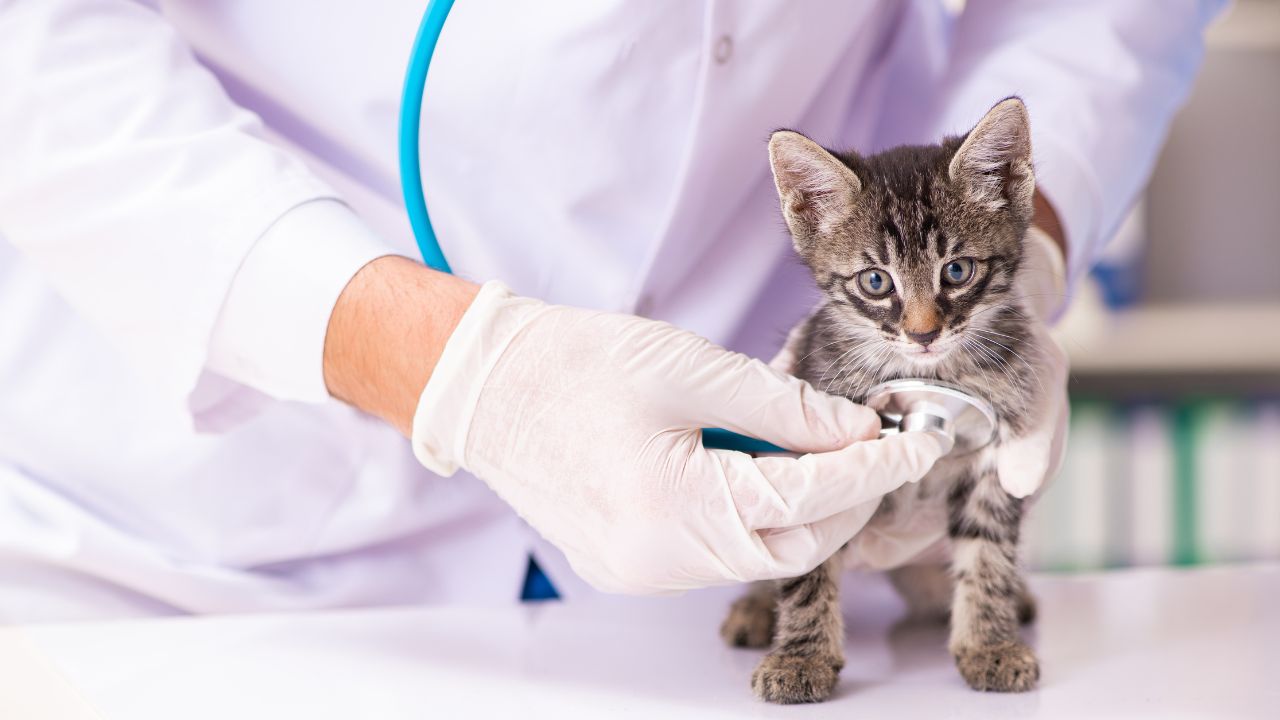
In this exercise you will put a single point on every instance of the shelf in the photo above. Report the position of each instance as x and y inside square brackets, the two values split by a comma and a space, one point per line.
[1172, 338]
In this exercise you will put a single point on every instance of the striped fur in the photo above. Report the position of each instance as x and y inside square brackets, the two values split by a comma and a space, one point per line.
[909, 212]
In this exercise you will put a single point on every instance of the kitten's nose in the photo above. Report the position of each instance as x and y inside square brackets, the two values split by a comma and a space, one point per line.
[924, 338]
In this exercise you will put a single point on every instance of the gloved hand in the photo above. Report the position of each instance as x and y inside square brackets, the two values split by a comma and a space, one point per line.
[1024, 464]
[587, 424]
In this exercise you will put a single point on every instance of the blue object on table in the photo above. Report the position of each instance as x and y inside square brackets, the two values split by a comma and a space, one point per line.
[415, 201]
[537, 586]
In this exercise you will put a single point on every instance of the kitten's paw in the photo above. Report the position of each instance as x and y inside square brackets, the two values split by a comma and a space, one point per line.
[791, 679]
[1007, 667]
[750, 621]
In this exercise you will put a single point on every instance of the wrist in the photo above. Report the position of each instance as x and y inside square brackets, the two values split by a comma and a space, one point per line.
[445, 411]
[387, 332]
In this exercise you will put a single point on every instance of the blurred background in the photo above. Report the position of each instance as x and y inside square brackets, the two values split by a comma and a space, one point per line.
[1174, 456]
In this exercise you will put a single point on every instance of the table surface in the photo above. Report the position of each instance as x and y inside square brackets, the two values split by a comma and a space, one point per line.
[1126, 644]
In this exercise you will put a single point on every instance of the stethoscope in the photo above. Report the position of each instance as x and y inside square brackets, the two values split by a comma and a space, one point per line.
[962, 422]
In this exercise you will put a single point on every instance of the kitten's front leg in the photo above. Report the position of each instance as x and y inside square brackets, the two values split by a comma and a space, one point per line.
[808, 645]
[984, 524]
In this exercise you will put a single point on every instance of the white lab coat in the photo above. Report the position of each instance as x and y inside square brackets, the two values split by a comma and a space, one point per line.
[168, 261]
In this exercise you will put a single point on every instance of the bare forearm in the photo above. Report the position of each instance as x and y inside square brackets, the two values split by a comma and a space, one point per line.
[386, 334]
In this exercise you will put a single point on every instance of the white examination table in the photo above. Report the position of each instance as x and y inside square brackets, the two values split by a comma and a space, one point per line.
[1126, 644]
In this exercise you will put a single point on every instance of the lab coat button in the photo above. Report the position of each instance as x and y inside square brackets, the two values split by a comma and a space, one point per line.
[724, 49]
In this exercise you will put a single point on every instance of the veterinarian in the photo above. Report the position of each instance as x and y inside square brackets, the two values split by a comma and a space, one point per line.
[214, 341]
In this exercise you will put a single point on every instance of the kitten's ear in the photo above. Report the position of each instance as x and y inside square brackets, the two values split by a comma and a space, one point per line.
[993, 164]
[816, 189]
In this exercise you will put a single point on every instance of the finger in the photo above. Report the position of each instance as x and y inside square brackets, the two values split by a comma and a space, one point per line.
[794, 551]
[785, 360]
[780, 492]
[1024, 464]
[746, 396]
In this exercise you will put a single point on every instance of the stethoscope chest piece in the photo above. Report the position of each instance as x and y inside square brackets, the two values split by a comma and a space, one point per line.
[960, 421]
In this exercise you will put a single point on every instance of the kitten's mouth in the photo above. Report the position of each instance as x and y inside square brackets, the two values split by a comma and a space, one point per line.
[930, 354]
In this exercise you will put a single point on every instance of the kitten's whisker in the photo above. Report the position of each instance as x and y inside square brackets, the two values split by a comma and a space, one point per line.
[982, 334]
[1002, 365]
[993, 332]
[867, 363]
[1002, 307]
[855, 351]
[870, 364]
[965, 342]
[1031, 295]
[867, 350]
[824, 347]
[833, 363]
[1015, 353]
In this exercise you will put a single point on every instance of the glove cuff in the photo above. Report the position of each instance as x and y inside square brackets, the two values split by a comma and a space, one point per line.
[445, 409]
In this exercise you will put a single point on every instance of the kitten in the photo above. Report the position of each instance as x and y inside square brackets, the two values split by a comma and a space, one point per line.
[916, 250]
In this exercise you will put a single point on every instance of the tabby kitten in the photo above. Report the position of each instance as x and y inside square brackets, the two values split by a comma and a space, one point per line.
[916, 250]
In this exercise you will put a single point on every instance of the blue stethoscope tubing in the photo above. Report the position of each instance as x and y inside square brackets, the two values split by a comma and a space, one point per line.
[415, 201]
[415, 84]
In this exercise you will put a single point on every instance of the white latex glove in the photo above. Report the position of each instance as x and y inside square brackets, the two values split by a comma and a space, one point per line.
[1024, 464]
[587, 423]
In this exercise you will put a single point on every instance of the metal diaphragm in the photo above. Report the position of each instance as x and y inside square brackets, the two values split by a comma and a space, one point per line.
[960, 421]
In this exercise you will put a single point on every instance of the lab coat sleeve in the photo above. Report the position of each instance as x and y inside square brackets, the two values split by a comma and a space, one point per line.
[139, 189]
[1101, 80]
[270, 333]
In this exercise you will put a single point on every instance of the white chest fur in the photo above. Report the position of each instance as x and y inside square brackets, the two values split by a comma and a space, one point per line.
[910, 526]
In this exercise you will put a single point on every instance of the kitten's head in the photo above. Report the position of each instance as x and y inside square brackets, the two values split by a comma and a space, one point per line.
[916, 246]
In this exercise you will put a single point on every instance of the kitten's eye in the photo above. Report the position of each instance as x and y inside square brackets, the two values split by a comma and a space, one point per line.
[958, 272]
[875, 282]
